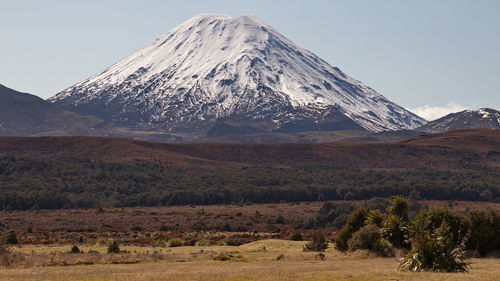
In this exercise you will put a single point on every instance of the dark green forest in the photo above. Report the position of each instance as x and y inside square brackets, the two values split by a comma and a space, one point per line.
[78, 183]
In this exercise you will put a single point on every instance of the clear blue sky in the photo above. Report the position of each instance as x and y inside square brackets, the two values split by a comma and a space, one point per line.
[416, 53]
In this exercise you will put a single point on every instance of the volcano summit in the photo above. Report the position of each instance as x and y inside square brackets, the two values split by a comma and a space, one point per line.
[215, 72]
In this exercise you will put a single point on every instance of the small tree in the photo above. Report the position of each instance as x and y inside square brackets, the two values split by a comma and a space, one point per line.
[75, 249]
[317, 243]
[113, 248]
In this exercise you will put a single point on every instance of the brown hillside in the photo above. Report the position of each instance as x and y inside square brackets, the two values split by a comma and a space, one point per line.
[453, 150]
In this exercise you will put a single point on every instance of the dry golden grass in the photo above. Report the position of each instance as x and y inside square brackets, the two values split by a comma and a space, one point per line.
[258, 263]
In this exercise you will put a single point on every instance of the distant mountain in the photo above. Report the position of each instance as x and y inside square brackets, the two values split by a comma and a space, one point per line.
[23, 114]
[484, 118]
[216, 75]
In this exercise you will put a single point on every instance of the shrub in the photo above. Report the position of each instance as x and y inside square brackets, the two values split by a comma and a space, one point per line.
[433, 219]
[433, 249]
[395, 227]
[201, 243]
[377, 203]
[355, 221]
[75, 249]
[280, 219]
[191, 242]
[4, 248]
[223, 257]
[317, 243]
[113, 248]
[370, 238]
[399, 207]
[200, 226]
[484, 231]
[136, 228]
[331, 214]
[166, 228]
[175, 242]
[374, 217]
[395, 230]
[237, 240]
[200, 212]
[225, 227]
[296, 236]
[9, 238]
[241, 228]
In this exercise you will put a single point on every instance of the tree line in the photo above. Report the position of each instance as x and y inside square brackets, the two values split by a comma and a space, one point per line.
[79, 183]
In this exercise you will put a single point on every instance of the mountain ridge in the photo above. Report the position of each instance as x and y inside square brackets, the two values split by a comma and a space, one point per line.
[23, 114]
[483, 118]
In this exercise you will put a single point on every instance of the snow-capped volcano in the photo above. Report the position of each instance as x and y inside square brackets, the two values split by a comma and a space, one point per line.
[216, 68]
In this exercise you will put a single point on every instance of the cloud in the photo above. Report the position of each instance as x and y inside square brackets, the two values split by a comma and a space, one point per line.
[430, 112]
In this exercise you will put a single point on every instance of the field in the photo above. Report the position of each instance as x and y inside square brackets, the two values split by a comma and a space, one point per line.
[253, 261]
[44, 251]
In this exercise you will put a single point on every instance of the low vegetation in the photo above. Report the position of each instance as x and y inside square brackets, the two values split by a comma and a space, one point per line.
[113, 248]
[369, 237]
[437, 240]
[424, 239]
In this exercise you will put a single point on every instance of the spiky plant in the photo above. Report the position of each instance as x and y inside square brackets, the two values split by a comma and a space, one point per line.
[399, 207]
[435, 250]
[395, 230]
[374, 217]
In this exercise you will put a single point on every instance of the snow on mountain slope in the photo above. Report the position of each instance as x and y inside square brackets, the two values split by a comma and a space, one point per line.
[215, 68]
[484, 118]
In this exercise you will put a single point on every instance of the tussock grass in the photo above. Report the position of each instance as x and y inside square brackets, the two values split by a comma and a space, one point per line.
[197, 264]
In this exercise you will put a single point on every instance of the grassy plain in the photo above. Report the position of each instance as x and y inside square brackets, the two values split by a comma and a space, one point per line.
[253, 261]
